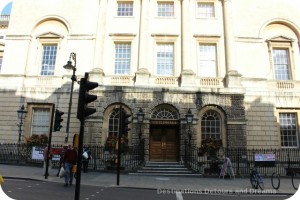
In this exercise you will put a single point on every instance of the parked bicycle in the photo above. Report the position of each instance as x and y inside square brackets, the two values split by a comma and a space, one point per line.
[256, 179]
[275, 180]
[296, 179]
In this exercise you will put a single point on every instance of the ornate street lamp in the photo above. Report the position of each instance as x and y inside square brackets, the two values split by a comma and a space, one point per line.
[21, 116]
[69, 66]
[140, 118]
[189, 119]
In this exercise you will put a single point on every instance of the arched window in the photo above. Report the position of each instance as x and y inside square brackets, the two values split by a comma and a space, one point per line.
[211, 126]
[164, 113]
[113, 123]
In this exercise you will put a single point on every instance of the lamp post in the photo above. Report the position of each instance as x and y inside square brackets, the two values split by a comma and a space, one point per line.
[21, 116]
[140, 118]
[189, 119]
[69, 66]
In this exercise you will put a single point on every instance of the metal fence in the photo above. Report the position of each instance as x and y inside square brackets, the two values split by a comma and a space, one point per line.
[242, 159]
[101, 158]
[206, 163]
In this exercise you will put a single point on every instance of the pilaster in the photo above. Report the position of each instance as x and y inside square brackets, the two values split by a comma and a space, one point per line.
[142, 77]
[233, 79]
[188, 78]
[96, 75]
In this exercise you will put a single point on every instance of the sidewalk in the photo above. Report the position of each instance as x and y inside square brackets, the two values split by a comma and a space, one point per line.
[159, 183]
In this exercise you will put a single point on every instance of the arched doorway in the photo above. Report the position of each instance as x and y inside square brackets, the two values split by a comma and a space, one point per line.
[164, 134]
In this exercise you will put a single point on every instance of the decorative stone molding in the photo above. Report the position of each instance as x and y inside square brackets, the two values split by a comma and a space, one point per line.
[142, 77]
[4, 21]
[97, 75]
[210, 82]
[166, 81]
[208, 99]
[285, 85]
[187, 78]
[119, 80]
[233, 79]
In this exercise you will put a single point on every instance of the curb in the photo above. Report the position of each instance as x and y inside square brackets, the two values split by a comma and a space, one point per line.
[186, 191]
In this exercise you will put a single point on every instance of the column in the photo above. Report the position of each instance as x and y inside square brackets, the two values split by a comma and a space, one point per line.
[97, 72]
[142, 74]
[232, 75]
[187, 74]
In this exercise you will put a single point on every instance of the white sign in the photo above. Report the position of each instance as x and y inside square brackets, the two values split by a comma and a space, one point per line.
[264, 157]
[37, 153]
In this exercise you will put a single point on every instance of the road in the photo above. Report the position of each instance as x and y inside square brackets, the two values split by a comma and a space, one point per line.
[40, 190]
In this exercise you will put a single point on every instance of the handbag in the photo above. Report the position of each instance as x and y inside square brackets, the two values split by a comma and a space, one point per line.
[74, 169]
[1, 180]
[85, 155]
[62, 172]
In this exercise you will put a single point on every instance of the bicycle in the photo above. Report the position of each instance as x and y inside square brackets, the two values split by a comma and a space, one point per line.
[296, 179]
[275, 180]
[256, 179]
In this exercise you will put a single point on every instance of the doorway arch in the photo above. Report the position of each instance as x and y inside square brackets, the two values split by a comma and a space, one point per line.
[164, 134]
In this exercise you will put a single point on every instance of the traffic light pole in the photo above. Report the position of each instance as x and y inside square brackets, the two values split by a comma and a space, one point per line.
[119, 144]
[69, 109]
[49, 143]
[83, 111]
[79, 160]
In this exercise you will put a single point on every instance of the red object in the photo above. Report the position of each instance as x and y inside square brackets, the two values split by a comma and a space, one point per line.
[57, 151]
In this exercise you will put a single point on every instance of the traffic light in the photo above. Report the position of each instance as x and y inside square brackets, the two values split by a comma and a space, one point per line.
[85, 98]
[58, 120]
[124, 122]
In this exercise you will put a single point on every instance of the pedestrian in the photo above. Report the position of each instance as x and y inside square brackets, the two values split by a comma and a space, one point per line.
[70, 159]
[47, 154]
[61, 159]
[86, 156]
[226, 169]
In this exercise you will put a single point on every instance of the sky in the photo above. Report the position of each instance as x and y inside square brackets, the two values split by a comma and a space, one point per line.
[5, 7]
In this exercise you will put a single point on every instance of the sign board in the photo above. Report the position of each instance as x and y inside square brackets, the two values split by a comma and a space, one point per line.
[57, 151]
[37, 153]
[265, 159]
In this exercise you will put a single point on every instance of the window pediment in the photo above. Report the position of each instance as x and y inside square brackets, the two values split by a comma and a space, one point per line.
[49, 35]
[280, 39]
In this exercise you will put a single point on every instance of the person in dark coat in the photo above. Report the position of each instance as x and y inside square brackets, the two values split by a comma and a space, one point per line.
[70, 159]
[86, 156]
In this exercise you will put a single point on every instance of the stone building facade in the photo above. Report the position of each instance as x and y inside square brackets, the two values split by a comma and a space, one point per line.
[238, 73]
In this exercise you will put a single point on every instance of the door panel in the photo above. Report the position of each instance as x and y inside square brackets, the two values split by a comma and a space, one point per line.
[156, 145]
[164, 143]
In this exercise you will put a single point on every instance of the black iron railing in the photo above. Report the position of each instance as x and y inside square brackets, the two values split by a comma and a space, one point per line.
[286, 159]
[101, 158]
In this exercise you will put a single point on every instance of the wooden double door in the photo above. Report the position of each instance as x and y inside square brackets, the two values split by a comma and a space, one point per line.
[164, 143]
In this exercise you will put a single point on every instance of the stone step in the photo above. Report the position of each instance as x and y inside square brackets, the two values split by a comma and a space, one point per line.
[165, 169]
[165, 174]
[164, 166]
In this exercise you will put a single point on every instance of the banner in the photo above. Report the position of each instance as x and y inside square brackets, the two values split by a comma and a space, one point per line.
[37, 153]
